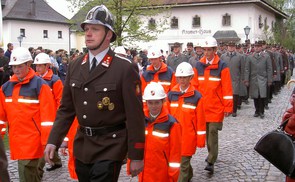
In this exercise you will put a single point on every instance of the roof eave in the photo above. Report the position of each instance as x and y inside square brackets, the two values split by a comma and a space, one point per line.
[30, 20]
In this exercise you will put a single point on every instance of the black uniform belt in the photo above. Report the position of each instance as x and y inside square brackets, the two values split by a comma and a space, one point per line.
[89, 131]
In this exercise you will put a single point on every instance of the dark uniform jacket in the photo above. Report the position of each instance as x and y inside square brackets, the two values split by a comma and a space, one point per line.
[118, 81]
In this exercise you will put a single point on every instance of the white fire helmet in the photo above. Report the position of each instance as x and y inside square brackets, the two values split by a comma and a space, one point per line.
[154, 91]
[42, 58]
[19, 56]
[209, 42]
[184, 69]
[154, 52]
[120, 50]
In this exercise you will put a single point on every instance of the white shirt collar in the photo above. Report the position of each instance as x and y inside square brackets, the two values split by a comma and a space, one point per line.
[211, 61]
[98, 57]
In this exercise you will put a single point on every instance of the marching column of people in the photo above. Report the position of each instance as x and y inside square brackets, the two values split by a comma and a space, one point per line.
[185, 102]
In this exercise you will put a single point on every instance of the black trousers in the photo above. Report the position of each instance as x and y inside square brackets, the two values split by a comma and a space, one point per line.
[236, 102]
[259, 104]
[100, 171]
[277, 86]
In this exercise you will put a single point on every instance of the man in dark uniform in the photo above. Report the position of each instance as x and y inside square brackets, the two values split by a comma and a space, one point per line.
[103, 92]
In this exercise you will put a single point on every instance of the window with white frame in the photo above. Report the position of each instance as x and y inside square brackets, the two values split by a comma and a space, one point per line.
[196, 21]
[174, 22]
[226, 20]
[45, 33]
[22, 32]
[59, 34]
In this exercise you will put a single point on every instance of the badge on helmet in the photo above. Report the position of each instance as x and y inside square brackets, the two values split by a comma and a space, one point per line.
[184, 69]
[154, 91]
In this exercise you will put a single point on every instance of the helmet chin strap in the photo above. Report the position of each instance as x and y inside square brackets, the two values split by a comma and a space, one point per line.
[97, 47]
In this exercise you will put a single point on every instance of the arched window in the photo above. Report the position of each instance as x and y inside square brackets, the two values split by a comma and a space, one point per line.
[196, 21]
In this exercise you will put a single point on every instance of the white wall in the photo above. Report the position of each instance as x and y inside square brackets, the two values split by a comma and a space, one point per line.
[34, 34]
[242, 15]
[211, 21]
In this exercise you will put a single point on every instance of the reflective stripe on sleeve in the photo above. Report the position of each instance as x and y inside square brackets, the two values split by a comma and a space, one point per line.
[146, 132]
[3, 129]
[201, 78]
[2, 122]
[188, 106]
[201, 132]
[227, 97]
[158, 134]
[47, 123]
[174, 164]
[214, 79]
[8, 100]
[29, 101]
[173, 104]
[66, 139]
[165, 83]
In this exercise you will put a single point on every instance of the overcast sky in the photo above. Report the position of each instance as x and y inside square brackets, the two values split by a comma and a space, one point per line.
[61, 6]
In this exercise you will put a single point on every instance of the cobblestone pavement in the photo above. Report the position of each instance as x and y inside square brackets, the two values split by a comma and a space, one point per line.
[237, 160]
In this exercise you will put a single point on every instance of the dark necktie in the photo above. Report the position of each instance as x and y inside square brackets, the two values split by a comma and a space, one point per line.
[94, 62]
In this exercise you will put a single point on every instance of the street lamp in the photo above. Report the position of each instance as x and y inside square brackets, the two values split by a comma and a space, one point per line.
[247, 31]
[20, 39]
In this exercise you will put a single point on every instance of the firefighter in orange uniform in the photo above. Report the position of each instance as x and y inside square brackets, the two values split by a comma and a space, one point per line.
[158, 71]
[214, 83]
[163, 141]
[43, 63]
[26, 101]
[186, 105]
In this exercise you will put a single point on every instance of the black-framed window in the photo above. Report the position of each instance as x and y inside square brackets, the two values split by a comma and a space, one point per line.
[152, 24]
[59, 34]
[22, 32]
[45, 33]
[174, 22]
[226, 20]
[196, 21]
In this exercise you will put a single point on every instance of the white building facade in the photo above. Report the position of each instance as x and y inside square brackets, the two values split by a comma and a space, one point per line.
[34, 34]
[196, 21]
[36, 23]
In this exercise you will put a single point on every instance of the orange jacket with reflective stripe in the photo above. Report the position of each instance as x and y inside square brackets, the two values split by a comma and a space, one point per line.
[25, 104]
[187, 108]
[56, 86]
[162, 148]
[214, 83]
[164, 76]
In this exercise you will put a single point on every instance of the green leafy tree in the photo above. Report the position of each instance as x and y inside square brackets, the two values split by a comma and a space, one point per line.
[284, 31]
[132, 18]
